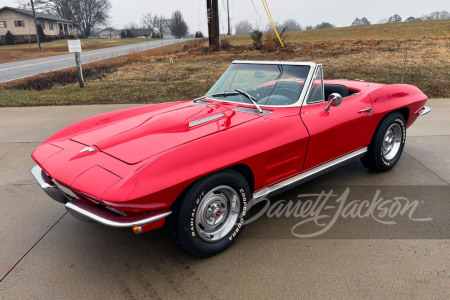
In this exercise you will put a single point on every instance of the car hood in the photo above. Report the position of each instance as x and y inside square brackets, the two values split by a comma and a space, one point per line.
[140, 136]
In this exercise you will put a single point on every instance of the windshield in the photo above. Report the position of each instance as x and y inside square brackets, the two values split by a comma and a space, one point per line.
[269, 84]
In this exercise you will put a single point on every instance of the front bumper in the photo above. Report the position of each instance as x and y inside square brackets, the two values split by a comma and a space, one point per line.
[84, 211]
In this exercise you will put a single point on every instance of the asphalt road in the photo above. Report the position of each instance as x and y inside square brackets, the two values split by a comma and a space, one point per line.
[48, 254]
[25, 68]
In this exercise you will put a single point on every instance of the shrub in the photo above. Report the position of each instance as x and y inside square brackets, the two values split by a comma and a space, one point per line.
[270, 45]
[225, 45]
[42, 36]
[9, 38]
[256, 36]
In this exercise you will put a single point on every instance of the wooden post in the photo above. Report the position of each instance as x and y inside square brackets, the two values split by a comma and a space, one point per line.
[79, 69]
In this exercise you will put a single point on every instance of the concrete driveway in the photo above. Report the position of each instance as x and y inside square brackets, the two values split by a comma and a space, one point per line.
[20, 69]
[48, 254]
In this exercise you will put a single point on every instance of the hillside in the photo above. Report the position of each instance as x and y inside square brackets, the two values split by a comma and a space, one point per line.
[372, 53]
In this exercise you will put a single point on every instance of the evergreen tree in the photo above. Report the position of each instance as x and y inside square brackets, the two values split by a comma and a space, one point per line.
[42, 36]
[9, 38]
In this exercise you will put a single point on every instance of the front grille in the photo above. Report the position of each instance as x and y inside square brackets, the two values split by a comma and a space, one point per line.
[122, 213]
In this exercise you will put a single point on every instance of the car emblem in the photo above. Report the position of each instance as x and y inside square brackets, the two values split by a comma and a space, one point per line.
[90, 149]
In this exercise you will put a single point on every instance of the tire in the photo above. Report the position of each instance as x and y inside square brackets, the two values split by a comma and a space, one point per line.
[209, 217]
[387, 144]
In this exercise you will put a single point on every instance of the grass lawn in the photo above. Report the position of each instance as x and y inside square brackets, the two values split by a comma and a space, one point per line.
[10, 53]
[372, 53]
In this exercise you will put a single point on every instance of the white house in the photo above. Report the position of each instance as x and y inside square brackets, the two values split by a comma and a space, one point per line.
[110, 33]
[20, 23]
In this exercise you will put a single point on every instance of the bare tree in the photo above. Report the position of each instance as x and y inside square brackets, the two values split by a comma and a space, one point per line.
[88, 13]
[394, 19]
[437, 15]
[291, 25]
[147, 21]
[160, 26]
[269, 27]
[324, 25]
[66, 9]
[92, 13]
[178, 26]
[243, 27]
[412, 19]
[359, 22]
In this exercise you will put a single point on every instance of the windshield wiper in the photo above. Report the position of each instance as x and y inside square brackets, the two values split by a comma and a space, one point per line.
[199, 98]
[225, 94]
[251, 98]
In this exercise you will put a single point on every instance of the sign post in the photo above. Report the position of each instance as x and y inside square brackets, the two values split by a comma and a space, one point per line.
[75, 47]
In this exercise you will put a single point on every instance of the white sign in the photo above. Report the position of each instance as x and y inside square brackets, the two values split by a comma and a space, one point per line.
[74, 45]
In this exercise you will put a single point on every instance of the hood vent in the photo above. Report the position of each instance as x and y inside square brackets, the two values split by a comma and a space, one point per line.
[204, 120]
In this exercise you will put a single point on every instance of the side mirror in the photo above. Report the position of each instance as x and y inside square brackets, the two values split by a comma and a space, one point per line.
[334, 99]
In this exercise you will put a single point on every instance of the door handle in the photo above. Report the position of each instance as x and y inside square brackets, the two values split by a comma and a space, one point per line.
[368, 110]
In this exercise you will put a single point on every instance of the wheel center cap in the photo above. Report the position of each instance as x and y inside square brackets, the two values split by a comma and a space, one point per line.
[218, 213]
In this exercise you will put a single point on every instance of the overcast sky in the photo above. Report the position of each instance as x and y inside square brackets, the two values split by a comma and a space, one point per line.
[310, 12]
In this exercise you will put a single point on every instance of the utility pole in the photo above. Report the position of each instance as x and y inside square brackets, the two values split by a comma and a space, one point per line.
[228, 11]
[213, 24]
[36, 25]
[215, 8]
[210, 21]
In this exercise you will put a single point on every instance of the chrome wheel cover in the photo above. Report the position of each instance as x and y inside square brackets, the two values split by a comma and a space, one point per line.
[392, 141]
[217, 213]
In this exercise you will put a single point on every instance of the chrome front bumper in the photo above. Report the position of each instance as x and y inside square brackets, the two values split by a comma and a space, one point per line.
[84, 211]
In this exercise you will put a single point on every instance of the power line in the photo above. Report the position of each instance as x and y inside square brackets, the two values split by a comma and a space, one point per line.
[259, 17]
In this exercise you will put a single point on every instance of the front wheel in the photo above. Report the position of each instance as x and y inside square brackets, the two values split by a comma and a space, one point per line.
[210, 216]
[387, 144]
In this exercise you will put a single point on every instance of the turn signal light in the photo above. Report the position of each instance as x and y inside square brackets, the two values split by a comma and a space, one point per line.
[137, 229]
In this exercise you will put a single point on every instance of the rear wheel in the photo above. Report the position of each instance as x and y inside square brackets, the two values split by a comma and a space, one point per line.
[210, 216]
[387, 144]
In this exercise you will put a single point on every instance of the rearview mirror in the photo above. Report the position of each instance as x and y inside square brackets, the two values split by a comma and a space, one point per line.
[334, 99]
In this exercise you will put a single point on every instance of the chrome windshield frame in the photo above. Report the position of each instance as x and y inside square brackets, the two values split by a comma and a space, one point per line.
[305, 91]
[310, 87]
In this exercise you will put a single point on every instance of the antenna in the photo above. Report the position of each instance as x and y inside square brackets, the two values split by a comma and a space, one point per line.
[404, 66]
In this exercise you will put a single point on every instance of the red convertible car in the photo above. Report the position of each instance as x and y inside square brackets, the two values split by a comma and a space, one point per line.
[193, 166]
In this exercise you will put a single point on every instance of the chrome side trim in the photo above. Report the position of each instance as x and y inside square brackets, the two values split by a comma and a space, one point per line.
[84, 211]
[204, 120]
[308, 174]
[424, 110]
[252, 111]
[49, 187]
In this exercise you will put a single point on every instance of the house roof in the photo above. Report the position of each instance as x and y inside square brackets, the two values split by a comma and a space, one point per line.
[138, 31]
[38, 15]
[111, 29]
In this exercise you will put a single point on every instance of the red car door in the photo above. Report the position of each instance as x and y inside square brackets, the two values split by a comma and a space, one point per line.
[338, 131]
